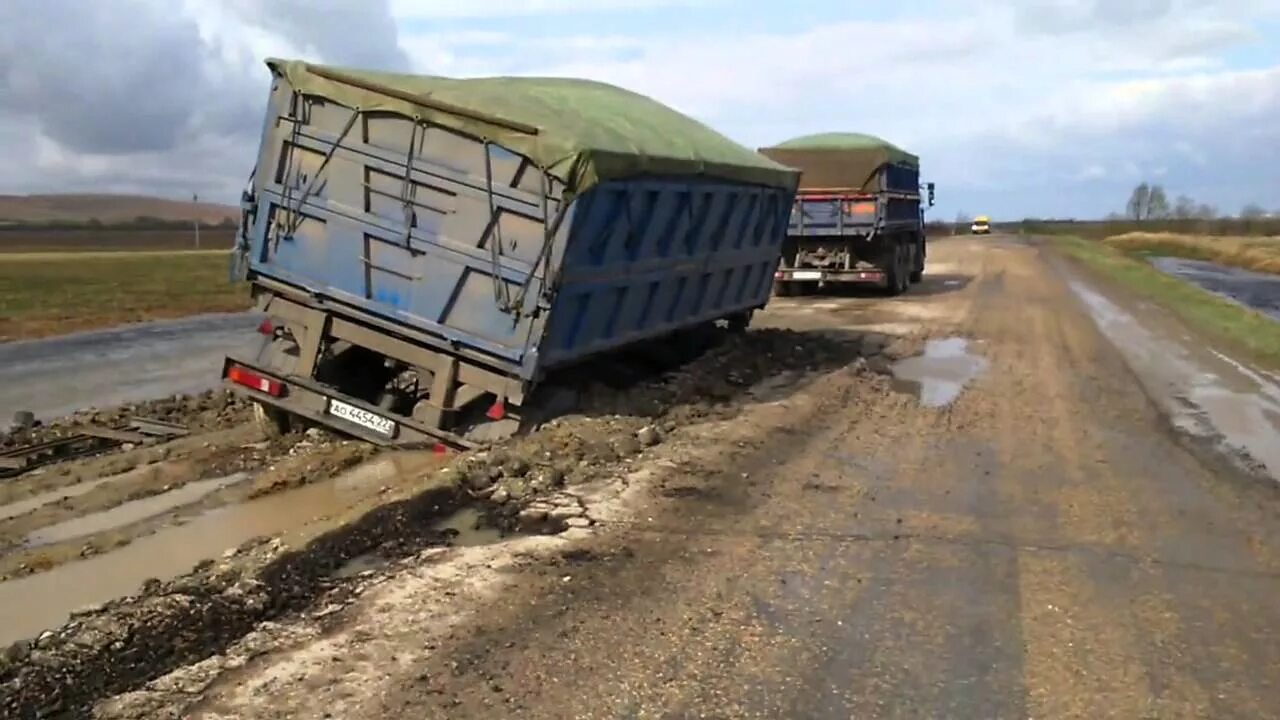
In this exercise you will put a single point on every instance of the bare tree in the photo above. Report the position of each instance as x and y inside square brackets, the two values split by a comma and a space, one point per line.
[1157, 204]
[1252, 211]
[1205, 211]
[1139, 202]
[1184, 208]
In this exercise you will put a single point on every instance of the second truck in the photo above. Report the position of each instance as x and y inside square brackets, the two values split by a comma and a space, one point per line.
[858, 216]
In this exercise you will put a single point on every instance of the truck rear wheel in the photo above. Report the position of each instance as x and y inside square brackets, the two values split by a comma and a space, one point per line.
[896, 274]
[272, 422]
[917, 262]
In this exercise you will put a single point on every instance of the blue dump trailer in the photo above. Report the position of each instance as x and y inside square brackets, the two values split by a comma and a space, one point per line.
[858, 216]
[426, 250]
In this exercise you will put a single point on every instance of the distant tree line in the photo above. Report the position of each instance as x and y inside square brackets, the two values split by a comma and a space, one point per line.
[139, 223]
[1151, 202]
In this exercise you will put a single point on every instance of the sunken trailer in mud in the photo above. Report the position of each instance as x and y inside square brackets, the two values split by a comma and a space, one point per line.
[858, 216]
[428, 250]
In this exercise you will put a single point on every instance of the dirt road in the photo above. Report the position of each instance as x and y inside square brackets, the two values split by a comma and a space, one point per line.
[1017, 532]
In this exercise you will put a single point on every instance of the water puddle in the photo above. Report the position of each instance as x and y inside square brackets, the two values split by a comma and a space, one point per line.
[1205, 393]
[939, 375]
[131, 512]
[360, 564]
[37, 602]
[1260, 291]
[35, 502]
[468, 529]
[465, 528]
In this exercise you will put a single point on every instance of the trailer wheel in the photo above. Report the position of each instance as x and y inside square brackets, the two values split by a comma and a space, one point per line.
[738, 322]
[272, 422]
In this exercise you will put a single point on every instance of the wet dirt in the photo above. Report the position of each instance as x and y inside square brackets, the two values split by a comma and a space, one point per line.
[938, 375]
[35, 502]
[130, 512]
[614, 427]
[37, 602]
[469, 527]
[1041, 549]
[198, 413]
[1259, 291]
[136, 503]
[1205, 393]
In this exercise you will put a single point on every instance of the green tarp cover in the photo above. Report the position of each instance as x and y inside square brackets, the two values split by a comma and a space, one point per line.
[839, 160]
[580, 131]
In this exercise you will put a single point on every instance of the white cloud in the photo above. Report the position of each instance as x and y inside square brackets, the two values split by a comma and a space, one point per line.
[1002, 100]
[460, 9]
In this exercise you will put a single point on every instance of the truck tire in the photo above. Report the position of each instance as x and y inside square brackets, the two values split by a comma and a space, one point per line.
[917, 262]
[272, 422]
[738, 322]
[896, 273]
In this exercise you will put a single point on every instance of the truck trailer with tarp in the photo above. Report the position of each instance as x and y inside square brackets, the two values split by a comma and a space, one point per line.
[858, 216]
[427, 249]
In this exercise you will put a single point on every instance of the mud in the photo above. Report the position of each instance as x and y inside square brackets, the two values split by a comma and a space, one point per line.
[162, 493]
[203, 412]
[1256, 290]
[50, 497]
[130, 512]
[1205, 394]
[42, 601]
[937, 376]
[171, 623]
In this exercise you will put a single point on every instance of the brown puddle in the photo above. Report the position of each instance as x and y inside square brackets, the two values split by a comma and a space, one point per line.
[130, 512]
[22, 507]
[468, 529]
[938, 376]
[34, 603]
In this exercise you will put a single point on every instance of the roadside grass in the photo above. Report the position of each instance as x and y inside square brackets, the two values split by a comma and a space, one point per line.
[1212, 316]
[44, 294]
[1260, 254]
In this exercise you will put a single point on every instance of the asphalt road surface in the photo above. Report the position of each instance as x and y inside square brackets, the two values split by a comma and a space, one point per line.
[1043, 546]
[100, 368]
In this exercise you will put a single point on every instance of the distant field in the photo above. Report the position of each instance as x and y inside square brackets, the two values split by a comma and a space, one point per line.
[108, 209]
[1213, 316]
[1261, 254]
[77, 239]
[44, 294]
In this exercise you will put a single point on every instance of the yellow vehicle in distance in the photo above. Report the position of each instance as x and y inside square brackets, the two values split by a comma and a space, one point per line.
[981, 225]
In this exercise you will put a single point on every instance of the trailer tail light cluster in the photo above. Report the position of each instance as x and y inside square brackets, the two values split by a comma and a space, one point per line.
[254, 381]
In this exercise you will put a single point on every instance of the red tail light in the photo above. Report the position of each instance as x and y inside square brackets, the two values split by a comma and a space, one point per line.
[497, 411]
[252, 380]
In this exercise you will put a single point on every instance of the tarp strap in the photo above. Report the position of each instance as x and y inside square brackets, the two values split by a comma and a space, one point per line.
[295, 213]
[501, 294]
[549, 229]
[409, 189]
[248, 209]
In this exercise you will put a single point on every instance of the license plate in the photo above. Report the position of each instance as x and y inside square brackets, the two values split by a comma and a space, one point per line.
[363, 418]
[806, 275]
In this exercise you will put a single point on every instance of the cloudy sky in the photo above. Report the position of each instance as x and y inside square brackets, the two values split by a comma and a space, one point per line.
[1017, 107]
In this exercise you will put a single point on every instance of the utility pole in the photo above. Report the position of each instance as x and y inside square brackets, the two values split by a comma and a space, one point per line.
[195, 199]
